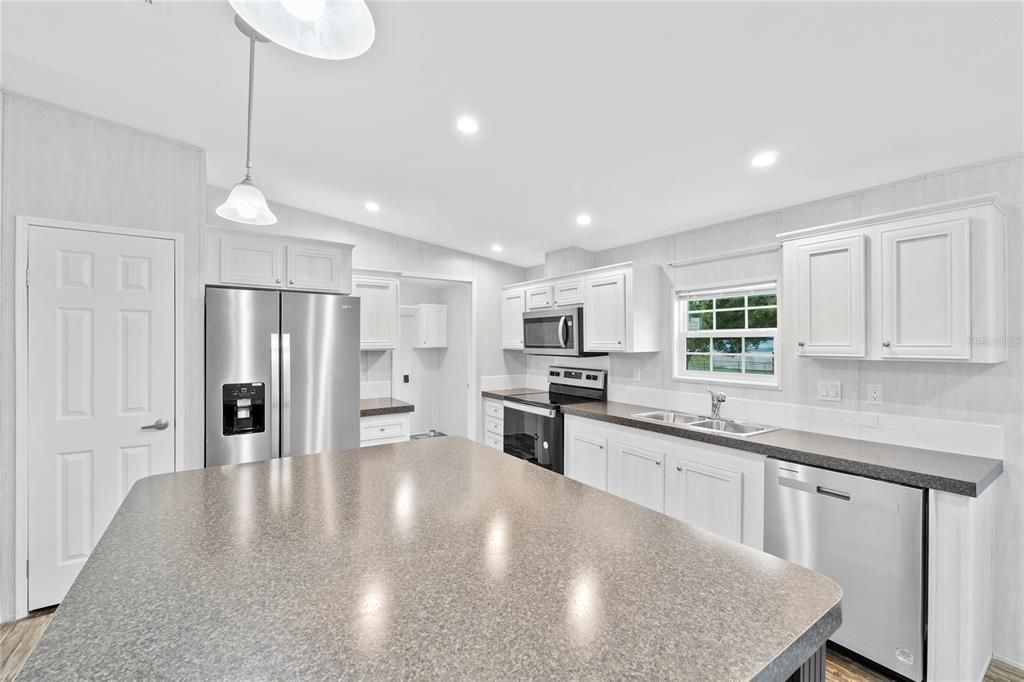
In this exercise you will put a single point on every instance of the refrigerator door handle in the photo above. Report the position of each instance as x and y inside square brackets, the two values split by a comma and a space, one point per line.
[275, 403]
[286, 394]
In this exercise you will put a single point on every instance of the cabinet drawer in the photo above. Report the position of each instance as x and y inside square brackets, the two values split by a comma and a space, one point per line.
[493, 408]
[383, 429]
[495, 426]
[493, 441]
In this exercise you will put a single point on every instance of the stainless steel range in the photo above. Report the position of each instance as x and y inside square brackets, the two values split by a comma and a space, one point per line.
[533, 422]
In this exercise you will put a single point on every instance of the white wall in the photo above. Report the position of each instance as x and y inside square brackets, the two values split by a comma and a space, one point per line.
[61, 164]
[981, 394]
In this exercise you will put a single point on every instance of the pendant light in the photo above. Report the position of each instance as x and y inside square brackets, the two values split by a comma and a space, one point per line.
[325, 29]
[246, 203]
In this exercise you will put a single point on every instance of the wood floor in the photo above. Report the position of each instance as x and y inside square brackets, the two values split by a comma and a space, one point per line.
[18, 639]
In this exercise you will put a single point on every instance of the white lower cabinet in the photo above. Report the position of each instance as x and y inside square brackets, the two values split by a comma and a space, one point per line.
[494, 424]
[384, 428]
[715, 488]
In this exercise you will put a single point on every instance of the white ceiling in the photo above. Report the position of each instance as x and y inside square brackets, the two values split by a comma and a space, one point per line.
[643, 114]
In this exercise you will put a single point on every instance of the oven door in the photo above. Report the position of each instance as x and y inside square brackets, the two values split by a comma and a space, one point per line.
[534, 434]
[551, 332]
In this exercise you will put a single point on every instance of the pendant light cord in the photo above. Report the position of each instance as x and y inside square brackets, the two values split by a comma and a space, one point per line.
[248, 128]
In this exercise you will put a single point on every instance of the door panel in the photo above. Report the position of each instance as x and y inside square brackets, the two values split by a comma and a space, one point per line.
[926, 291]
[705, 496]
[513, 304]
[588, 460]
[314, 268]
[637, 475]
[100, 367]
[831, 288]
[319, 373]
[378, 321]
[249, 261]
[605, 319]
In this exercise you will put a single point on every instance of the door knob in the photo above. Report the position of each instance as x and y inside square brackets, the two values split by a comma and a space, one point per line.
[158, 425]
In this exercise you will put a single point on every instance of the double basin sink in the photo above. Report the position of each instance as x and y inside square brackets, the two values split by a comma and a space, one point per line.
[693, 421]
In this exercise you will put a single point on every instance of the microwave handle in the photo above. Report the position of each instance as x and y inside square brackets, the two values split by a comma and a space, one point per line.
[561, 330]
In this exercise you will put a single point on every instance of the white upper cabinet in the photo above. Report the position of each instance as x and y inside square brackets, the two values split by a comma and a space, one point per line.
[251, 262]
[569, 292]
[926, 291]
[539, 297]
[315, 268]
[622, 306]
[378, 312]
[922, 284]
[234, 257]
[604, 313]
[431, 326]
[513, 304]
[831, 314]
[636, 473]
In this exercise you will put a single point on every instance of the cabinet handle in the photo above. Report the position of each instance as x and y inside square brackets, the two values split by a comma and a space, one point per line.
[800, 343]
[885, 344]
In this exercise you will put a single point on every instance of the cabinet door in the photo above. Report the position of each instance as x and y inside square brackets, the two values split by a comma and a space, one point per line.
[538, 297]
[637, 474]
[254, 262]
[604, 317]
[378, 312]
[433, 326]
[513, 305]
[705, 496]
[831, 290]
[310, 267]
[569, 293]
[925, 292]
[587, 459]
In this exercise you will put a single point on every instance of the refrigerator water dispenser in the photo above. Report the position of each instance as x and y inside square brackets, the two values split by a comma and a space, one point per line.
[243, 408]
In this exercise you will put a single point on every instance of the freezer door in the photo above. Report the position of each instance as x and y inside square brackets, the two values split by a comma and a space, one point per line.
[866, 535]
[319, 373]
[241, 355]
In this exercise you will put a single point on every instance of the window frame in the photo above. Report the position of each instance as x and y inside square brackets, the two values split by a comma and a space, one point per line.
[680, 334]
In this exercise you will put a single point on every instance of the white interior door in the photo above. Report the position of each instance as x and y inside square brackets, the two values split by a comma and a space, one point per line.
[100, 370]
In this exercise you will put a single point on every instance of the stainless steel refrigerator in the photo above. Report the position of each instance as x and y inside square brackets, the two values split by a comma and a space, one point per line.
[282, 374]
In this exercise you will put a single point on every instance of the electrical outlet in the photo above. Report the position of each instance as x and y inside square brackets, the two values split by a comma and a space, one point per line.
[830, 390]
[875, 394]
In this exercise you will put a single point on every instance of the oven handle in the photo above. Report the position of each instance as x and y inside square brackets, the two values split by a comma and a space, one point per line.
[522, 407]
[561, 330]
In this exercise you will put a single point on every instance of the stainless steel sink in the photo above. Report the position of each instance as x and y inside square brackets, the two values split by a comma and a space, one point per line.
[731, 427]
[693, 421]
[670, 417]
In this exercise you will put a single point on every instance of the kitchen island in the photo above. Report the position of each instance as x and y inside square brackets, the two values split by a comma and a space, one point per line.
[435, 558]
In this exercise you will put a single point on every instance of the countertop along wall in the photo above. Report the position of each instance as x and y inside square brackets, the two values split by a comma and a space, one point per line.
[982, 394]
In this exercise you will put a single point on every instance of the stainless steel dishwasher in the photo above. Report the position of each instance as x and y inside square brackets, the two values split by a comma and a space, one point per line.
[866, 535]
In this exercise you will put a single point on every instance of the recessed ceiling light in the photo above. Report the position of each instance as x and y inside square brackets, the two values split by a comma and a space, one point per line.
[497, 248]
[765, 159]
[372, 206]
[467, 125]
[584, 219]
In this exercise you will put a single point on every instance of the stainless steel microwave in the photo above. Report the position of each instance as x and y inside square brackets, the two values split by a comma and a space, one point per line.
[554, 331]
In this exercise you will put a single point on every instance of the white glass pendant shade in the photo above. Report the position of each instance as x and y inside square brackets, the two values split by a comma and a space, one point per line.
[326, 29]
[246, 204]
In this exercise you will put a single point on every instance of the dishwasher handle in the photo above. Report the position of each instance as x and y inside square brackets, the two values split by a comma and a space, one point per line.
[829, 492]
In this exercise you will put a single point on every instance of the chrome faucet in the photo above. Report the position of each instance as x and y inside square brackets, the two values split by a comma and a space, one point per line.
[717, 399]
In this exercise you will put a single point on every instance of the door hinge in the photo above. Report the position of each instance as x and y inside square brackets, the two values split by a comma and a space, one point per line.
[28, 277]
[26, 569]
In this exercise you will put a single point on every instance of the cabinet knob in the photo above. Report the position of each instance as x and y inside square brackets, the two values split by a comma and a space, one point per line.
[885, 344]
[679, 468]
[657, 462]
[278, 280]
[291, 281]
[382, 428]
[800, 343]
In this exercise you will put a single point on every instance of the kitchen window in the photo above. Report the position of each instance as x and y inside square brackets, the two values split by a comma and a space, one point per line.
[727, 335]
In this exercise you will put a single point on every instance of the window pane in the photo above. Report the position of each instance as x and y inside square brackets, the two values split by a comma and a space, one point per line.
[732, 319]
[729, 344]
[700, 304]
[698, 363]
[698, 345]
[759, 344]
[760, 363]
[763, 318]
[763, 299]
[698, 321]
[732, 302]
[732, 364]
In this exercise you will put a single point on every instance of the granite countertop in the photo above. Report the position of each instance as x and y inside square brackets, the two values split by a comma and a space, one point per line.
[499, 393]
[438, 558]
[918, 467]
[370, 407]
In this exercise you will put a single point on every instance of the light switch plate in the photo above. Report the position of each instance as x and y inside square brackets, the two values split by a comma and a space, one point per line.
[830, 390]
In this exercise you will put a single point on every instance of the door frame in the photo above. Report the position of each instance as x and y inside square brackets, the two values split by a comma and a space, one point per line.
[21, 435]
[473, 413]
